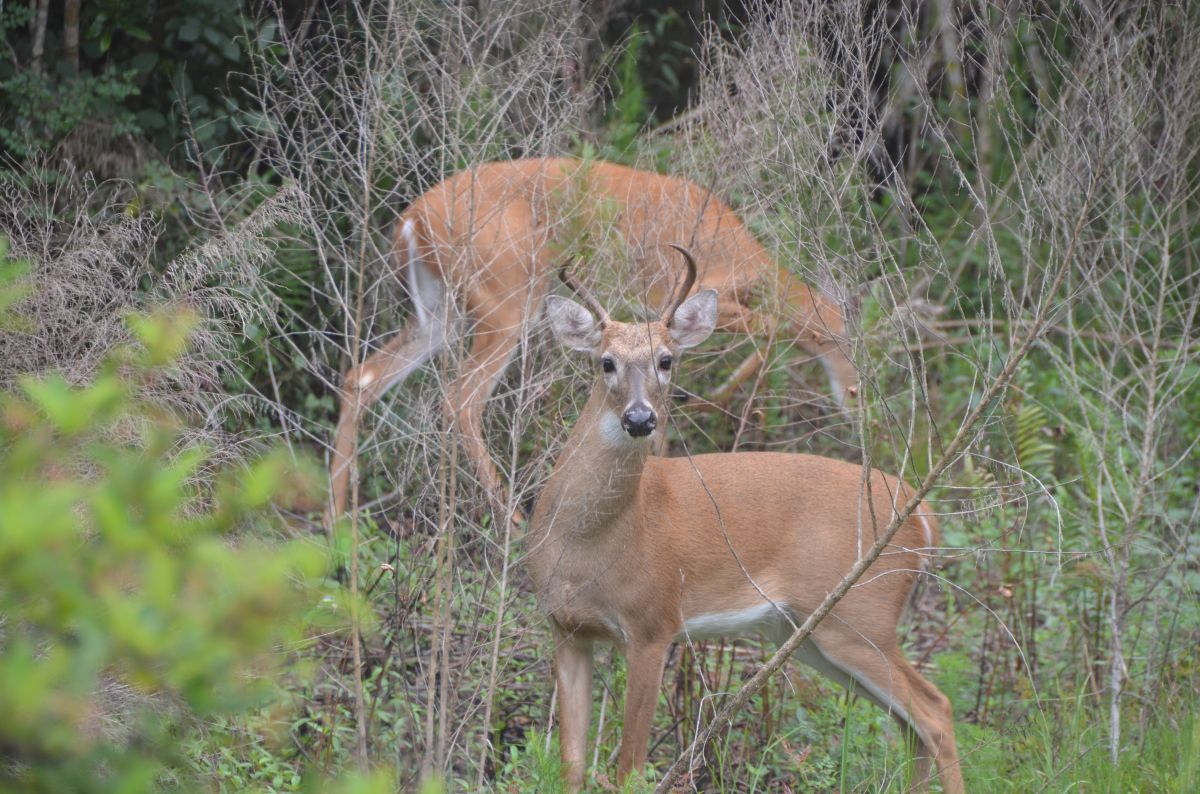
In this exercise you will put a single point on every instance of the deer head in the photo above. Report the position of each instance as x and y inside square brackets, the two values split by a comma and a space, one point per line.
[634, 360]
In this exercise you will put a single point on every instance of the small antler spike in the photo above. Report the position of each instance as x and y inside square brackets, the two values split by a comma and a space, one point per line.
[583, 295]
[688, 281]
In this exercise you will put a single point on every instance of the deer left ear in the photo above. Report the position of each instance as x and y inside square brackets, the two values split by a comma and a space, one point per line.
[574, 325]
[695, 319]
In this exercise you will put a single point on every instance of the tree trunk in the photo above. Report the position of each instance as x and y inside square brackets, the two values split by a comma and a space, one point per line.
[71, 35]
[38, 29]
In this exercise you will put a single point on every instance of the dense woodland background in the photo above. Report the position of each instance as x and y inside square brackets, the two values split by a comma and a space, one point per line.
[195, 209]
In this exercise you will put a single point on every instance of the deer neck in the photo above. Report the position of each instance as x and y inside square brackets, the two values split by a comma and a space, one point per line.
[596, 478]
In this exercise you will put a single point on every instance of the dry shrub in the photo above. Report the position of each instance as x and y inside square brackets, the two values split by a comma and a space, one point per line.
[91, 269]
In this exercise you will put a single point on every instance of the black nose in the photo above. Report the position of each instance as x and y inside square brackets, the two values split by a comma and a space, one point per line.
[639, 421]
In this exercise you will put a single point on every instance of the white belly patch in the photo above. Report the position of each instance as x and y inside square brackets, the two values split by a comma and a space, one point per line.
[766, 618]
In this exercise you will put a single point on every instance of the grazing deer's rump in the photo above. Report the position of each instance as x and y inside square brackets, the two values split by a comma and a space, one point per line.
[489, 237]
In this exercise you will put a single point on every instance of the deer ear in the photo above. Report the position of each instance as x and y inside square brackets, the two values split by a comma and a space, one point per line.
[574, 325]
[695, 319]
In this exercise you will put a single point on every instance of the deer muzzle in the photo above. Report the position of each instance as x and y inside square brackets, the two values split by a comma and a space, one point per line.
[639, 420]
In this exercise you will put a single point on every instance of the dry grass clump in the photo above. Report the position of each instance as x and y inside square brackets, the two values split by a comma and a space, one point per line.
[91, 268]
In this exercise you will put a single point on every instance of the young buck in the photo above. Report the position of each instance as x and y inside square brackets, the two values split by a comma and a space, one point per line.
[489, 236]
[644, 551]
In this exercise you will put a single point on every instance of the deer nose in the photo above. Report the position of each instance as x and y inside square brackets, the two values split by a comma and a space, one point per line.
[639, 420]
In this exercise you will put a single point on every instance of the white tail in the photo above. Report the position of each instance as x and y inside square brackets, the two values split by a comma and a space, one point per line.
[643, 551]
[492, 231]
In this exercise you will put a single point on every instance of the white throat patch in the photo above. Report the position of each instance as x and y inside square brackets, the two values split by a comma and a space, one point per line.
[614, 435]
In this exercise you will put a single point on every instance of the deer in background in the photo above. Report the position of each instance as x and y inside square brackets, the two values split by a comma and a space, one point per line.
[643, 551]
[490, 235]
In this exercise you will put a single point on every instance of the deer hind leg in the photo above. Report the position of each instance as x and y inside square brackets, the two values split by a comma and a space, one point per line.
[882, 674]
[363, 385]
[497, 334]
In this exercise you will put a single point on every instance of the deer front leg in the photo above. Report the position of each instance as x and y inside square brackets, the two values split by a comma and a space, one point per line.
[819, 327]
[644, 663]
[723, 394]
[573, 668]
[739, 318]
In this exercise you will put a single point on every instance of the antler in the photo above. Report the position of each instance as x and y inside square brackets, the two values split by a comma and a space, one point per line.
[669, 315]
[584, 295]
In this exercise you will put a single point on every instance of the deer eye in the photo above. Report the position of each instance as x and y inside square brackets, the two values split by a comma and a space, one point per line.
[664, 363]
[608, 364]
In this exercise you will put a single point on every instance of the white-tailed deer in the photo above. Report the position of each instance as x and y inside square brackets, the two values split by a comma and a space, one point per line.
[644, 551]
[491, 234]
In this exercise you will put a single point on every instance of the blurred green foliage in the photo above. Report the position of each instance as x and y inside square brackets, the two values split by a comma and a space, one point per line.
[134, 601]
[12, 286]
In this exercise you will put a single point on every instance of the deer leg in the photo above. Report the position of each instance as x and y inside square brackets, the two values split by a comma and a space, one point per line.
[363, 385]
[496, 336]
[736, 317]
[922, 760]
[818, 326]
[815, 323]
[573, 671]
[883, 675]
[936, 733]
[644, 663]
[723, 394]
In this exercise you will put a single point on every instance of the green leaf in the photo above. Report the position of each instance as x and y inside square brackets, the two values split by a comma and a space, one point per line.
[189, 31]
[144, 62]
[164, 335]
[151, 120]
[13, 288]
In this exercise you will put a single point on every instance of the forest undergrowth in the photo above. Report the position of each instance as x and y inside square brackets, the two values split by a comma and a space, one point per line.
[976, 184]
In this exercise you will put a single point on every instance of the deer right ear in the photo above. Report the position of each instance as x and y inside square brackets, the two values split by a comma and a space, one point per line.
[574, 325]
[695, 319]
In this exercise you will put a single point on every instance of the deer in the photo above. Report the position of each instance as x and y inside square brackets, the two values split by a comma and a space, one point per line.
[641, 551]
[490, 236]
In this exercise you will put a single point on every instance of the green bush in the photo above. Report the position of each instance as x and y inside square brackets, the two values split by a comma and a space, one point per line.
[44, 110]
[129, 608]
